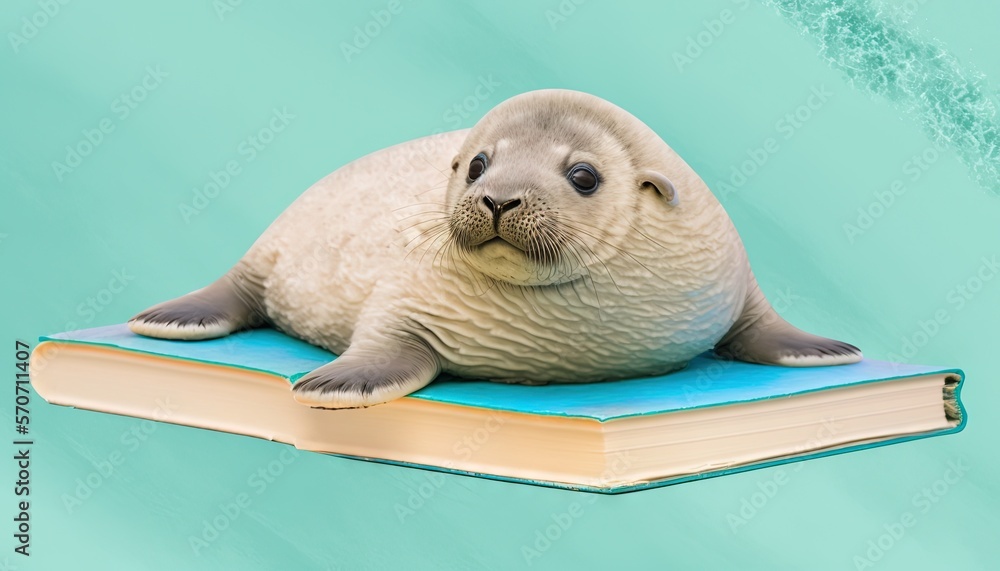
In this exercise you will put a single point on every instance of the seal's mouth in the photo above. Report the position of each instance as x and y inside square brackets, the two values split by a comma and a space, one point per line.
[536, 255]
[528, 242]
[499, 247]
[497, 241]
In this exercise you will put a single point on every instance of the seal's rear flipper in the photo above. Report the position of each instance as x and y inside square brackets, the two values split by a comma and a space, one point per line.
[231, 303]
[370, 372]
[760, 335]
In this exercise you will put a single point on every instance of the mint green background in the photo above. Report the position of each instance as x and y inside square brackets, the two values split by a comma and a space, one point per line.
[60, 243]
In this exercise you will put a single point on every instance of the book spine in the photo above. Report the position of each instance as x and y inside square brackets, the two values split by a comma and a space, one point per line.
[952, 406]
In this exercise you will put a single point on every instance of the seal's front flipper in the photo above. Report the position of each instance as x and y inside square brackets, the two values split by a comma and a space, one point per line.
[760, 335]
[233, 302]
[369, 373]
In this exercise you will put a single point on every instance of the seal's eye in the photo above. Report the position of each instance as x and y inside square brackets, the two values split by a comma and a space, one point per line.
[477, 166]
[584, 178]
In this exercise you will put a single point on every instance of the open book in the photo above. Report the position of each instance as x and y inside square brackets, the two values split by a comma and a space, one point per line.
[714, 417]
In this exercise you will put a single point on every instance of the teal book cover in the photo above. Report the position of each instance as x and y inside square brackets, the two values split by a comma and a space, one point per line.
[147, 146]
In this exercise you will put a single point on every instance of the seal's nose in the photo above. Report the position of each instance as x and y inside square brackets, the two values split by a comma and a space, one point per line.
[499, 208]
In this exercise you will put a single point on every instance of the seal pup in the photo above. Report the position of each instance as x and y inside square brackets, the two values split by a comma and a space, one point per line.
[559, 240]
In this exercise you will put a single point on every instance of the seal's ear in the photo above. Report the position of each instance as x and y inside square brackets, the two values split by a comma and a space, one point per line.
[662, 185]
[454, 164]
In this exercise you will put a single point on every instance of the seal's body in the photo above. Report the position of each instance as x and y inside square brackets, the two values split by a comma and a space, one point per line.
[559, 240]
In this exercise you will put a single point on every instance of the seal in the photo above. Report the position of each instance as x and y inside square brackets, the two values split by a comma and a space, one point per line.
[560, 240]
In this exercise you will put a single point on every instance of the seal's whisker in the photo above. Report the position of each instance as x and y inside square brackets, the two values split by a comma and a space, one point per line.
[425, 237]
[441, 172]
[567, 245]
[477, 276]
[607, 270]
[437, 236]
[454, 257]
[433, 185]
[609, 244]
[434, 230]
[534, 249]
[431, 225]
[440, 213]
[550, 249]
[643, 234]
[423, 157]
[422, 191]
[443, 255]
[425, 191]
[445, 206]
[435, 221]
[586, 278]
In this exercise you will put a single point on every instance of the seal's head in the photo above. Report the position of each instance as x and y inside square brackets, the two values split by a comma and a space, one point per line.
[545, 178]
